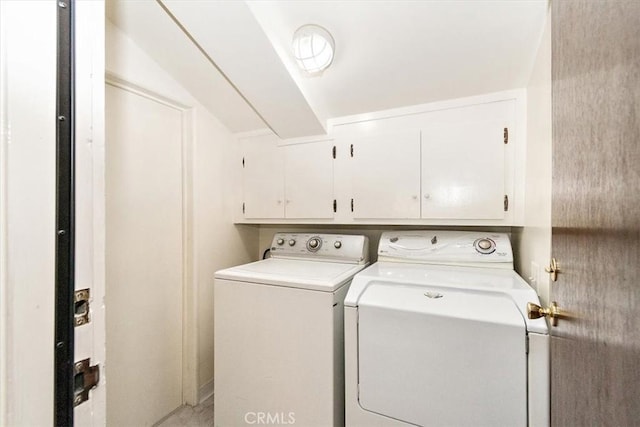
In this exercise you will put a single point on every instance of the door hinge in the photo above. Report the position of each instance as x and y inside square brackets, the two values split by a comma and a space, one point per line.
[506, 203]
[85, 378]
[81, 307]
[242, 207]
[351, 150]
[243, 162]
[335, 206]
[334, 151]
[351, 205]
[526, 344]
[506, 135]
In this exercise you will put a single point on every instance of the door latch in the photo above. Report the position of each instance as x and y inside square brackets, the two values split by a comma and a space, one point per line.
[85, 378]
[81, 307]
[553, 269]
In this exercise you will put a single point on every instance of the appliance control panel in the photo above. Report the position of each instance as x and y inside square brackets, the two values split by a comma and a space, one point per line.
[446, 247]
[322, 247]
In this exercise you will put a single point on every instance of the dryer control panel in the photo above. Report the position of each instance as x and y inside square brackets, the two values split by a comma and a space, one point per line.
[445, 247]
[322, 247]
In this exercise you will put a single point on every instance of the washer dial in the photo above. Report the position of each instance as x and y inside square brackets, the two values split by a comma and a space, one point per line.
[485, 245]
[314, 243]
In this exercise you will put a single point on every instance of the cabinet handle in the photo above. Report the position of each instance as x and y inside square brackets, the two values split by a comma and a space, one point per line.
[279, 202]
[414, 197]
[288, 201]
[427, 196]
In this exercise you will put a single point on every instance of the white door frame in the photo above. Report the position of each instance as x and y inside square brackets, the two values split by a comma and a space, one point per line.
[189, 272]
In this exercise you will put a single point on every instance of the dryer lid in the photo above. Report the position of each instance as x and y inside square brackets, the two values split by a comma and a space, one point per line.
[446, 302]
[442, 356]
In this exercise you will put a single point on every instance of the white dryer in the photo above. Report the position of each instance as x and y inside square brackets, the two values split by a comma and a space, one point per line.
[279, 332]
[437, 334]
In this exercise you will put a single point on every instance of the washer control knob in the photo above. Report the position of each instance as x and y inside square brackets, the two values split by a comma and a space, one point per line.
[314, 243]
[280, 241]
[485, 246]
[292, 242]
[337, 244]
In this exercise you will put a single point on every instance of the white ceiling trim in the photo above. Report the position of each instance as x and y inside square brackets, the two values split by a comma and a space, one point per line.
[230, 35]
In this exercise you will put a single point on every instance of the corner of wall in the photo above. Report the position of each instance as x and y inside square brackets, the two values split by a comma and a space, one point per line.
[532, 241]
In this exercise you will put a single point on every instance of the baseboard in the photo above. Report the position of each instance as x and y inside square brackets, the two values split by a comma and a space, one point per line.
[205, 392]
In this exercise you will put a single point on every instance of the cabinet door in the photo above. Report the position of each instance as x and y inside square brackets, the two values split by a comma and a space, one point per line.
[463, 171]
[263, 176]
[386, 175]
[309, 180]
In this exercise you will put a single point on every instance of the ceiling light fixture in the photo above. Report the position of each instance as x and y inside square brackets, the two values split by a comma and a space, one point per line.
[313, 48]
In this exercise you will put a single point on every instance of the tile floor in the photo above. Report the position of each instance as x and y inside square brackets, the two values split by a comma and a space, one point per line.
[191, 416]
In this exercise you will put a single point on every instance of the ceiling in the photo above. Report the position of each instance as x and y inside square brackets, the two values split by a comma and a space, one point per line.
[388, 54]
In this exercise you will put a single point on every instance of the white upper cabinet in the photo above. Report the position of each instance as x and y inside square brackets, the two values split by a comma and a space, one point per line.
[263, 178]
[463, 171]
[287, 181]
[385, 171]
[309, 180]
[456, 162]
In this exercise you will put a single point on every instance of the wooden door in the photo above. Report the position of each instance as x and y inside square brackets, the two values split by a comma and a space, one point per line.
[595, 359]
[144, 257]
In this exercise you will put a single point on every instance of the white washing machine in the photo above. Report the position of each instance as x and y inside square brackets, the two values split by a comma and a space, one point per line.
[279, 332]
[437, 334]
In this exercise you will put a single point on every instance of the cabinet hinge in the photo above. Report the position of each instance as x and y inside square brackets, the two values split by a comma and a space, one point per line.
[243, 162]
[526, 344]
[334, 151]
[242, 207]
[351, 205]
[335, 206]
[351, 150]
[506, 135]
[506, 203]
[85, 378]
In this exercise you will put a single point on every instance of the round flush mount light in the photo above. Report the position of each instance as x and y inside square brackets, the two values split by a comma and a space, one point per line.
[313, 48]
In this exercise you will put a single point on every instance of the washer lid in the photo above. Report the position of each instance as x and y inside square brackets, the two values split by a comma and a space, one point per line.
[442, 356]
[303, 274]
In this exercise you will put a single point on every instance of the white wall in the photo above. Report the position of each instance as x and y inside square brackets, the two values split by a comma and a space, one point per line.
[216, 242]
[533, 241]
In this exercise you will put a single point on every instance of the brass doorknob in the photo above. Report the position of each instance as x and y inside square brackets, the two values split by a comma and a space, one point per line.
[534, 311]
